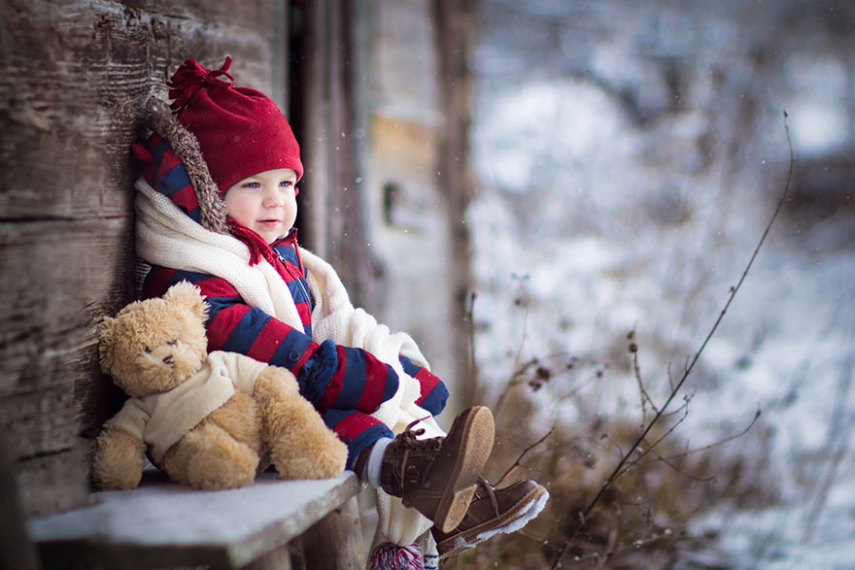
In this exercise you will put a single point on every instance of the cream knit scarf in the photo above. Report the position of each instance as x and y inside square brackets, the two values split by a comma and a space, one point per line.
[166, 236]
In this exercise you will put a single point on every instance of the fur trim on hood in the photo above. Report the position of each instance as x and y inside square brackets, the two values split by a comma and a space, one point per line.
[169, 147]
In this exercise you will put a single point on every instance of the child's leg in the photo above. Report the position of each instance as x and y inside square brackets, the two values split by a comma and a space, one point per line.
[436, 476]
[358, 431]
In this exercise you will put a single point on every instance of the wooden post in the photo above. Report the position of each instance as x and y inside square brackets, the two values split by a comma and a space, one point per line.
[77, 74]
[335, 543]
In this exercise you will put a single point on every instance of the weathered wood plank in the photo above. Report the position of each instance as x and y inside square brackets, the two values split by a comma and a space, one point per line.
[341, 528]
[56, 279]
[76, 75]
[55, 482]
[162, 524]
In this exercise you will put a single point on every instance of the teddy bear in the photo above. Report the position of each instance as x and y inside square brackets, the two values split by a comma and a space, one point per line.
[207, 420]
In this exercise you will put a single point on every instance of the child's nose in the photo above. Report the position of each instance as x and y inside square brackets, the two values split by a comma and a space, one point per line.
[272, 197]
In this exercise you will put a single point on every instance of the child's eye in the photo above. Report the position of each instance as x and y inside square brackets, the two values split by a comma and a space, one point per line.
[286, 184]
[251, 185]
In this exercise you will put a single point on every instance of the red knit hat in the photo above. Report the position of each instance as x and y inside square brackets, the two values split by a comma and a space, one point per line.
[240, 130]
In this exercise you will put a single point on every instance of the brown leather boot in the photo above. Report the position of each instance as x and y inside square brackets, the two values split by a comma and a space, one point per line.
[492, 511]
[438, 476]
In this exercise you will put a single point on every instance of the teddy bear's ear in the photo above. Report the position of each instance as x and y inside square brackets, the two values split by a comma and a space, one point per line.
[105, 344]
[188, 295]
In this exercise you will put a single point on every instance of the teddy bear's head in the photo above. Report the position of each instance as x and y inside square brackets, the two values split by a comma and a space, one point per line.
[153, 346]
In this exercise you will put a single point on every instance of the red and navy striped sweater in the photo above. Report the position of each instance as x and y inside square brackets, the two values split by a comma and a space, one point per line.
[330, 376]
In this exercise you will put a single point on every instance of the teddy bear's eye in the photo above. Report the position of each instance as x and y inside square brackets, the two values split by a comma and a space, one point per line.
[172, 342]
[147, 350]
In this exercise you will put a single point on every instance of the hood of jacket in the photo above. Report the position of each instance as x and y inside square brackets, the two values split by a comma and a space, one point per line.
[172, 163]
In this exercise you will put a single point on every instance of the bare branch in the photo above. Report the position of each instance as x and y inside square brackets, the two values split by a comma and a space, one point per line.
[691, 364]
[525, 451]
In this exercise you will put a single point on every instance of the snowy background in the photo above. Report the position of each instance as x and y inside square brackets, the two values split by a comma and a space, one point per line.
[629, 156]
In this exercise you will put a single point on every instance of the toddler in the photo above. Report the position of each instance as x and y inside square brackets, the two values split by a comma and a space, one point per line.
[216, 205]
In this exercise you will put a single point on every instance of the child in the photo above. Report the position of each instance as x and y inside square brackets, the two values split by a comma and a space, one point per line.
[216, 205]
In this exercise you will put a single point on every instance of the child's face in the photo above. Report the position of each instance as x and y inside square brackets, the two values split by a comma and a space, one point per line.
[265, 202]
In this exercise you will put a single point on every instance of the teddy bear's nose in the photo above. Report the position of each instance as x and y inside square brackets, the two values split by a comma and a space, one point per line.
[168, 360]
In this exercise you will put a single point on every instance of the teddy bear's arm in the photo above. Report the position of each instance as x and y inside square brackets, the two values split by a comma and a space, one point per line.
[118, 460]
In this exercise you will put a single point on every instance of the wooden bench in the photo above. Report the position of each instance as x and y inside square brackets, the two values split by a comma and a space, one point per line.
[164, 525]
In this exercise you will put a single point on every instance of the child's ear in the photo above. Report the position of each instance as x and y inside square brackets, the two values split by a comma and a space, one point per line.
[188, 295]
[105, 343]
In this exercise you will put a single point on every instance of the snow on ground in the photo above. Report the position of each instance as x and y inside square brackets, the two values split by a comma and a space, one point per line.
[589, 225]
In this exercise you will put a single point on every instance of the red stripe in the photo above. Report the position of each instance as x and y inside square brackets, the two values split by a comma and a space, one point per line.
[427, 382]
[354, 424]
[305, 312]
[148, 172]
[156, 282]
[217, 287]
[223, 324]
[167, 163]
[304, 357]
[333, 387]
[268, 340]
[185, 198]
[376, 376]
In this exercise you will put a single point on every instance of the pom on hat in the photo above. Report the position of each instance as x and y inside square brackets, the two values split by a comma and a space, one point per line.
[388, 556]
[241, 131]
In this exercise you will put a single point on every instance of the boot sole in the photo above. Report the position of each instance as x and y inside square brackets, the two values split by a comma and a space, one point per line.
[477, 434]
[513, 520]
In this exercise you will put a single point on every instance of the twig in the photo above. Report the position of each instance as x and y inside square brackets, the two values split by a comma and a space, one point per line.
[691, 364]
[636, 370]
[713, 445]
[514, 380]
[525, 451]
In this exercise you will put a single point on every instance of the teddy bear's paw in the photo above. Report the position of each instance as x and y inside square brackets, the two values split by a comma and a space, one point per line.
[118, 461]
[224, 464]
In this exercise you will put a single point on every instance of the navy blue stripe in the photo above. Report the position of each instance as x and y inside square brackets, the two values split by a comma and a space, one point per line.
[191, 276]
[391, 383]
[287, 253]
[173, 180]
[217, 304]
[299, 289]
[353, 380]
[291, 349]
[361, 442]
[409, 367]
[159, 150]
[436, 400]
[195, 214]
[246, 331]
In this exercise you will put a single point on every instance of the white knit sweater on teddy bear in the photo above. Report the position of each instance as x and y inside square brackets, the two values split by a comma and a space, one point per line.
[160, 420]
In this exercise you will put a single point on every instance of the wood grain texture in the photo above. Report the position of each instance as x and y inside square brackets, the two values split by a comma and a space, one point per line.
[75, 78]
[186, 527]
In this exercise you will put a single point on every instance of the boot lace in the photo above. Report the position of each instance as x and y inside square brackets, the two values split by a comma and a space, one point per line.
[412, 473]
[485, 490]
